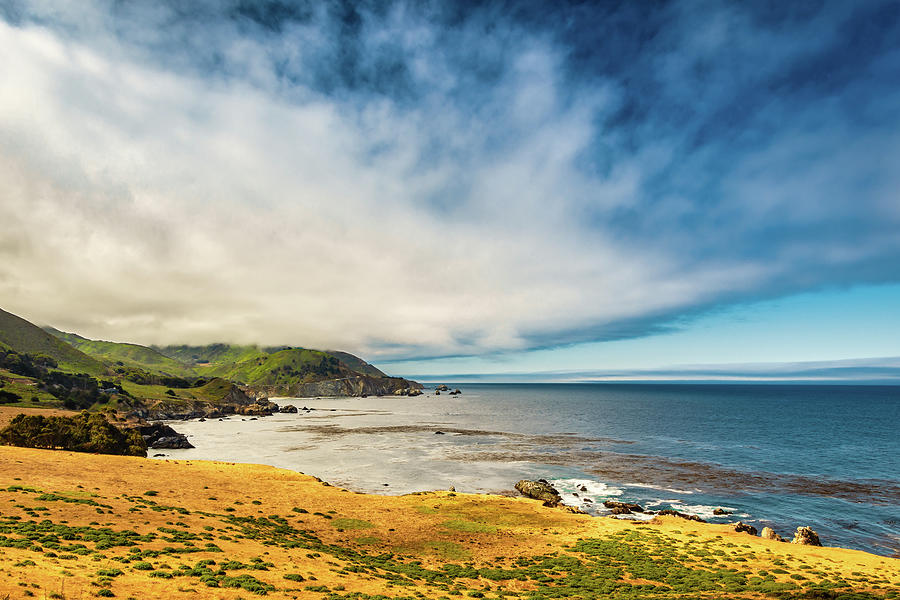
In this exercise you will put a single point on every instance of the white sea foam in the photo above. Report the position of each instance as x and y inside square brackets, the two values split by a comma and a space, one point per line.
[661, 488]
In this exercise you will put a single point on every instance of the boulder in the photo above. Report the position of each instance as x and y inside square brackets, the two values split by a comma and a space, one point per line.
[806, 537]
[721, 511]
[740, 527]
[414, 392]
[442, 388]
[630, 507]
[288, 408]
[539, 490]
[769, 534]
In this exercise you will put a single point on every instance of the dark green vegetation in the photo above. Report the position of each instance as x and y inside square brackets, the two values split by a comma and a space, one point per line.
[81, 433]
[40, 375]
[628, 565]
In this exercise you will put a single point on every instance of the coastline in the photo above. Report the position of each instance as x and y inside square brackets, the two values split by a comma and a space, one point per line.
[214, 511]
[489, 442]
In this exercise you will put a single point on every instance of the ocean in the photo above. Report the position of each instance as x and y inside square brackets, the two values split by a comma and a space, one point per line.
[824, 456]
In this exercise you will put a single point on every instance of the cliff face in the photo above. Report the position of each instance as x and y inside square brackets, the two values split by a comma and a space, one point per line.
[347, 386]
[228, 403]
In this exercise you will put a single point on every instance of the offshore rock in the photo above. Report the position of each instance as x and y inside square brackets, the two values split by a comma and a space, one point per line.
[630, 507]
[288, 408]
[721, 511]
[769, 534]
[539, 490]
[740, 526]
[806, 537]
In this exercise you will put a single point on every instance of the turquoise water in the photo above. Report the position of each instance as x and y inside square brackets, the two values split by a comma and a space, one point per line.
[780, 456]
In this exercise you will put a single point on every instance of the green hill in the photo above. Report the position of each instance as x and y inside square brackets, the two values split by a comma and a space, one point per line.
[295, 365]
[130, 355]
[213, 355]
[18, 334]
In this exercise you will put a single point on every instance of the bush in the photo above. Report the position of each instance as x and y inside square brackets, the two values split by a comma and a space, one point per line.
[7, 397]
[81, 433]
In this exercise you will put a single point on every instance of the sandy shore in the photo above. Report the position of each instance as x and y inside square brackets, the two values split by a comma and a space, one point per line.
[326, 540]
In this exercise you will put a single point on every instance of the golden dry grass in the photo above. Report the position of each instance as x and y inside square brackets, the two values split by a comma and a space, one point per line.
[212, 503]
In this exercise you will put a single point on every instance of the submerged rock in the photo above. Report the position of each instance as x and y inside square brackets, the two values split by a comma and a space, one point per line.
[539, 490]
[806, 537]
[769, 534]
[740, 526]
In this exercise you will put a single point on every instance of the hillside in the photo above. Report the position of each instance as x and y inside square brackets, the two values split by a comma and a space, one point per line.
[357, 364]
[147, 376]
[285, 371]
[295, 365]
[131, 355]
[18, 334]
[212, 355]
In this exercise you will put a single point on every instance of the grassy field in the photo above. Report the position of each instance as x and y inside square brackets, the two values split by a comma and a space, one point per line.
[214, 391]
[27, 389]
[85, 526]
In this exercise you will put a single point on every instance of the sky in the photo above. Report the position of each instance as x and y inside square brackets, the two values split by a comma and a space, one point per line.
[569, 190]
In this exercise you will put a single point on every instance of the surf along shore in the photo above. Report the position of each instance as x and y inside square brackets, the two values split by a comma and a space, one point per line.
[82, 526]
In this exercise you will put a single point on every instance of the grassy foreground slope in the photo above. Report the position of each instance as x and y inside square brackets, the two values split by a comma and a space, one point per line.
[83, 526]
[20, 335]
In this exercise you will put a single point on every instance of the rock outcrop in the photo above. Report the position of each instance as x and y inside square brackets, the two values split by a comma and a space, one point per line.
[622, 507]
[681, 515]
[721, 511]
[539, 490]
[807, 537]
[742, 527]
[359, 385]
[158, 436]
[769, 534]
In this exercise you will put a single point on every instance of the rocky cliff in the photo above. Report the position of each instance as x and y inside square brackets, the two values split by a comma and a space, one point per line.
[360, 385]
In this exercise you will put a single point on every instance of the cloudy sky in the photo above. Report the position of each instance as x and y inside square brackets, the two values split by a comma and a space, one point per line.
[443, 188]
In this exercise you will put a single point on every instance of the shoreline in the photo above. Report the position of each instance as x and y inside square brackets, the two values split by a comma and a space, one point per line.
[321, 445]
[188, 512]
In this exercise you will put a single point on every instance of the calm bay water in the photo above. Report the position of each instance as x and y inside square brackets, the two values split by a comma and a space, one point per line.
[783, 456]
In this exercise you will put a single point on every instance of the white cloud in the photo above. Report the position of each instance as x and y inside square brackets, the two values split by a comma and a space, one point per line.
[156, 204]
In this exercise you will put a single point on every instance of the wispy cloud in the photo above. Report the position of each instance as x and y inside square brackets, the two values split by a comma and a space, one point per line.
[884, 371]
[410, 181]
